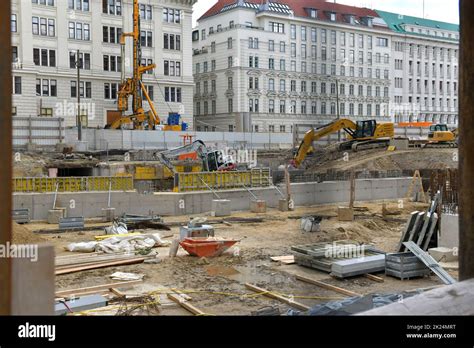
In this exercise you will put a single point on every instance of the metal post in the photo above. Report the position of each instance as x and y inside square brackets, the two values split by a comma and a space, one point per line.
[337, 109]
[78, 90]
[466, 136]
[6, 156]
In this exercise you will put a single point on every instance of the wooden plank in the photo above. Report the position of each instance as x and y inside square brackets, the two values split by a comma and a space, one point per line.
[288, 260]
[106, 287]
[277, 297]
[100, 265]
[185, 296]
[374, 278]
[117, 292]
[182, 302]
[328, 286]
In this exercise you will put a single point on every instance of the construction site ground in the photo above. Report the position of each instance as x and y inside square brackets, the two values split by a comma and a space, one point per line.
[217, 284]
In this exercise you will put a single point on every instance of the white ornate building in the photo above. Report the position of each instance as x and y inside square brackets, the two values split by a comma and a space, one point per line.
[46, 35]
[268, 65]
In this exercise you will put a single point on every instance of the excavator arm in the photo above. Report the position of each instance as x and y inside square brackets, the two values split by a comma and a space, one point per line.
[316, 134]
[198, 147]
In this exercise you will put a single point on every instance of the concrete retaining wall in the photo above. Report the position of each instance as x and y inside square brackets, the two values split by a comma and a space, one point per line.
[90, 204]
[448, 234]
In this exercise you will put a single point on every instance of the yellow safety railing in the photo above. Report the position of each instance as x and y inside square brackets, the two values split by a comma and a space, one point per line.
[73, 184]
[204, 181]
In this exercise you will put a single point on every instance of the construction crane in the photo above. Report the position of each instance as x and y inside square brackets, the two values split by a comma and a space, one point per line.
[134, 86]
[361, 135]
[440, 136]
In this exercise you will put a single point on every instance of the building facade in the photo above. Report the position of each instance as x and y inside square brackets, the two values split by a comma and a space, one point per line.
[47, 34]
[266, 66]
[425, 70]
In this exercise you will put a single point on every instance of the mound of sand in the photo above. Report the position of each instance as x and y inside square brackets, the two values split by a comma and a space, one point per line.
[21, 235]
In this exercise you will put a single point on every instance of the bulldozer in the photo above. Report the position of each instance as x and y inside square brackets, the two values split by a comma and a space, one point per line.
[361, 135]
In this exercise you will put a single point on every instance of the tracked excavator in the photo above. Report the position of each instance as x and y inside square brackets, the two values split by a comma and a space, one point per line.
[212, 160]
[362, 135]
[441, 137]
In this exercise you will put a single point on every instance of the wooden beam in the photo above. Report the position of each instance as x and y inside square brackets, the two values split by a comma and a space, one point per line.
[183, 303]
[466, 138]
[328, 286]
[106, 287]
[99, 265]
[280, 298]
[374, 278]
[6, 156]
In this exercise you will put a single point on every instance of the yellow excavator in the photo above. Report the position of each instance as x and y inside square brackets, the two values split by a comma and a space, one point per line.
[135, 88]
[440, 136]
[361, 135]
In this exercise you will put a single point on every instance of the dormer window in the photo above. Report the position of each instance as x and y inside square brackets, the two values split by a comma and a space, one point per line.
[313, 13]
[351, 19]
[332, 16]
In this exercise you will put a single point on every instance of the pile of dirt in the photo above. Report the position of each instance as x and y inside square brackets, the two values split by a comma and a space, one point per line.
[416, 159]
[22, 235]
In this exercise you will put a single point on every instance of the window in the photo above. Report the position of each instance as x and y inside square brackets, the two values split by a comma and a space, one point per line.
[43, 2]
[230, 62]
[84, 60]
[282, 85]
[17, 85]
[112, 63]
[271, 106]
[44, 26]
[146, 12]
[44, 57]
[293, 31]
[230, 105]
[282, 65]
[14, 23]
[14, 54]
[271, 63]
[46, 112]
[314, 35]
[146, 38]
[85, 89]
[271, 45]
[333, 37]
[171, 41]
[282, 106]
[277, 27]
[173, 94]
[171, 15]
[79, 31]
[293, 107]
[46, 88]
[111, 34]
[323, 36]
[271, 84]
[282, 47]
[80, 5]
[382, 42]
[303, 107]
[110, 90]
[147, 62]
[229, 43]
[303, 33]
[112, 7]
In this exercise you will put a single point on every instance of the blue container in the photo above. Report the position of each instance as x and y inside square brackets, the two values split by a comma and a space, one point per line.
[173, 119]
[184, 126]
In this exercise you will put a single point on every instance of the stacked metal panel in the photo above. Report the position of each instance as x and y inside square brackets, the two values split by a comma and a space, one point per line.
[421, 227]
[21, 216]
[342, 259]
[71, 222]
[405, 266]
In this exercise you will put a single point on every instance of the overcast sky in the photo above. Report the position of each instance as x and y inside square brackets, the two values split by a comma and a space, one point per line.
[443, 10]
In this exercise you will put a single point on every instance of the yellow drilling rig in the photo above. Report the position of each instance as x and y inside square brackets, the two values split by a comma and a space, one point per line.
[135, 88]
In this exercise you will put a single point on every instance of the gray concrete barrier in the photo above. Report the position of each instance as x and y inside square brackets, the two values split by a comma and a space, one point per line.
[90, 204]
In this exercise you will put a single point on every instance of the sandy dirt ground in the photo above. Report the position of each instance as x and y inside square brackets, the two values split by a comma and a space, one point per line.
[216, 285]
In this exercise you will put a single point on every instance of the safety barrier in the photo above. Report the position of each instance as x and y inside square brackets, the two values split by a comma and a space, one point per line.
[73, 184]
[205, 181]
